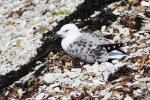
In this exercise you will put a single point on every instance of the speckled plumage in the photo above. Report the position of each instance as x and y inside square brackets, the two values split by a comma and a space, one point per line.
[85, 46]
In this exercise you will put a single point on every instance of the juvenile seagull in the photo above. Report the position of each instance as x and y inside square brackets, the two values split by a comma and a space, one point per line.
[85, 46]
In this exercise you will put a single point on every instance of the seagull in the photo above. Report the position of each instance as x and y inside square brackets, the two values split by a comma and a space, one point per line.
[86, 46]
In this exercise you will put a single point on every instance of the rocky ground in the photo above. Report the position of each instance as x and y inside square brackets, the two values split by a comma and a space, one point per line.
[58, 76]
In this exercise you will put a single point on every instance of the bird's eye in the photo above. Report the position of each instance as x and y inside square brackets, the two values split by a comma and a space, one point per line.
[66, 30]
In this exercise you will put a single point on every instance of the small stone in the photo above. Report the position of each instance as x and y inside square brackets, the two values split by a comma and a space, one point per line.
[137, 92]
[56, 89]
[142, 45]
[115, 61]
[96, 82]
[74, 74]
[18, 42]
[76, 70]
[55, 85]
[51, 98]
[147, 27]
[145, 4]
[76, 83]
[49, 78]
[103, 28]
[20, 92]
[40, 96]
[67, 81]
[128, 97]
[50, 55]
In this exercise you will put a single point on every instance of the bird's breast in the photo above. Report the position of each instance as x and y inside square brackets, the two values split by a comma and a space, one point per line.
[66, 42]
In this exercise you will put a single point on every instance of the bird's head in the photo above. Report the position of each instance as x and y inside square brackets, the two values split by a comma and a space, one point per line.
[68, 30]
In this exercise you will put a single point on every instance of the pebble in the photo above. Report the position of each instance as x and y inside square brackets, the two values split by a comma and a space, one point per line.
[49, 78]
[145, 3]
[40, 96]
[137, 92]
[66, 81]
[75, 93]
[103, 28]
[56, 89]
[96, 82]
[76, 83]
[55, 85]
[115, 61]
[20, 92]
[92, 69]
[76, 70]
[73, 74]
[147, 27]
[52, 98]
[128, 97]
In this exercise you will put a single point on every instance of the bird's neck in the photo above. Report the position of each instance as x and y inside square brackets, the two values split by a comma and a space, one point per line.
[69, 40]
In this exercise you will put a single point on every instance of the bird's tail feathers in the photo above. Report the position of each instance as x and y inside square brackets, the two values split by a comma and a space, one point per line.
[111, 47]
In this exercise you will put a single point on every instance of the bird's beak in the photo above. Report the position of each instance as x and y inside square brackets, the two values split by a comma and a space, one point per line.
[58, 33]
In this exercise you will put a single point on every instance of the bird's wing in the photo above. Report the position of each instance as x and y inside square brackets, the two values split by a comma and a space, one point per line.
[103, 42]
[86, 48]
[95, 39]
